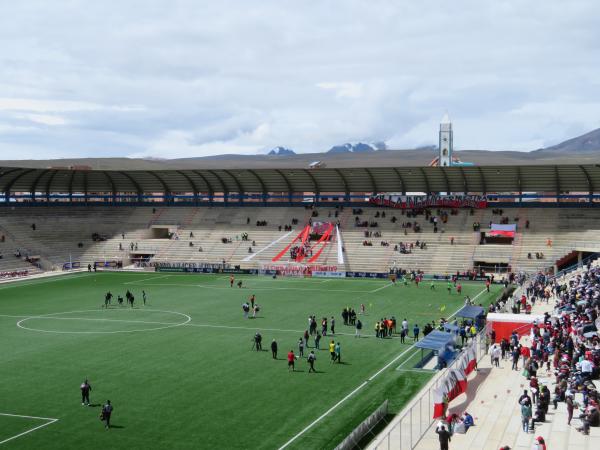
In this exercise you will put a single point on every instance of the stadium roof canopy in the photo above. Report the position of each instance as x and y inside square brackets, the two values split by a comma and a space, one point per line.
[436, 340]
[476, 179]
[470, 311]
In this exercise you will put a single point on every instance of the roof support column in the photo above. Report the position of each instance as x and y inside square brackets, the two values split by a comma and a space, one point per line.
[557, 180]
[520, 184]
[590, 184]
[85, 187]
[241, 190]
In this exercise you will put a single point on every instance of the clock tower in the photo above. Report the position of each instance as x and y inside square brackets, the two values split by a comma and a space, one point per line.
[446, 146]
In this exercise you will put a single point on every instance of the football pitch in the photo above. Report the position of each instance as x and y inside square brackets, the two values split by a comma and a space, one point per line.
[181, 372]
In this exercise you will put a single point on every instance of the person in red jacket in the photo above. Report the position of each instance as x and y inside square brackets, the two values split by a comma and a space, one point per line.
[291, 360]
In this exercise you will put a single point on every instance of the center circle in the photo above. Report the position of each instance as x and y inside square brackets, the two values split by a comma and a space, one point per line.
[160, 323]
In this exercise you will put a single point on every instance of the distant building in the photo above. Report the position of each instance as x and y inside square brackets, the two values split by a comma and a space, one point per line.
[446, 145]
[446, 156]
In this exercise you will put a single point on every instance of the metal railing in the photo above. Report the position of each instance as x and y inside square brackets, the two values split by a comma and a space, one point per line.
[411, 424]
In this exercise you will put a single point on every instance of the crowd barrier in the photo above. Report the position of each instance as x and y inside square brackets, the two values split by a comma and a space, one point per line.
[411, 424]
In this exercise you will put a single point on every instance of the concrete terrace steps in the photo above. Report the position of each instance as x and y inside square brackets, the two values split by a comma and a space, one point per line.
[61, 228]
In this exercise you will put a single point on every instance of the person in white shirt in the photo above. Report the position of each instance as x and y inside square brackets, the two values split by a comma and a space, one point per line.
[586, 368]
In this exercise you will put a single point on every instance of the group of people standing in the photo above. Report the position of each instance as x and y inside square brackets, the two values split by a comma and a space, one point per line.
[128, 295]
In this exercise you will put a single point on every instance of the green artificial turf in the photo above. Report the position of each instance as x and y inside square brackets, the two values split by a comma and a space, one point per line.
[180, 371]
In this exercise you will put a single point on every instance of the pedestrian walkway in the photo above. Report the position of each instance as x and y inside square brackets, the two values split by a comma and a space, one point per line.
[492, 400]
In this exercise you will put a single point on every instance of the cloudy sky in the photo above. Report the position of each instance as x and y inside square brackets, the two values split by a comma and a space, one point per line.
[193, 78]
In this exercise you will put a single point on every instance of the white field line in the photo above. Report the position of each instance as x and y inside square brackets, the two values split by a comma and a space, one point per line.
[146, 279]
[405, 361]
[199, 325]
[43, 280]
[49, 420]
[380, 288]
[206, 286]
[263, 278]
[248, 258]
[360, 386]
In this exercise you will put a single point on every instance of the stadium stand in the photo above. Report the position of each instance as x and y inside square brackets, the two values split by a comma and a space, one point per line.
[65, 234]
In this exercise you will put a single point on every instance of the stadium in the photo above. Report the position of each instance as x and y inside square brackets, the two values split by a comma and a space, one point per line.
[242, 225]
[436, 246]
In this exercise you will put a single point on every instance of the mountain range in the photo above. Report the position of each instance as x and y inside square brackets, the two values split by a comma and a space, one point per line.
[281, 151]
[584, 149]
[587, 143]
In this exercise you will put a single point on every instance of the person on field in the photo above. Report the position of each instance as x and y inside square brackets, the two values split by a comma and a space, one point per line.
[231, 280]
[257, 342]
[311, 361]
[144, 297]
[291, 358]
[85, 393]
[332, 325]
[332, 351]
[358, 328]
[300, 348]
[274, 349]
[317, 340]
[416, 332]
[107, 410]
[107, 299]
[120, 300]
[338, 353]
[252, 300]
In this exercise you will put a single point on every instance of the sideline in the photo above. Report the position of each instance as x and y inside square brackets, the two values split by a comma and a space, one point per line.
[360, 386]
[34, 280]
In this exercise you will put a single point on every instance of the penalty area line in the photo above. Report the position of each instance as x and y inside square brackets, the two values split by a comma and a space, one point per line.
[49, 421]
[359, 387]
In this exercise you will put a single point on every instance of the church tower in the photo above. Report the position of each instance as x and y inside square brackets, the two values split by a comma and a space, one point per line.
[446, 146]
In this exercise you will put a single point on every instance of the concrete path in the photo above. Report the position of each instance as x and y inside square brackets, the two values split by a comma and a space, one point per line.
[492, 400]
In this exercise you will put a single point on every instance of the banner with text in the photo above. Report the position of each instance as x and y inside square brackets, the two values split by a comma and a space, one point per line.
[429, 201]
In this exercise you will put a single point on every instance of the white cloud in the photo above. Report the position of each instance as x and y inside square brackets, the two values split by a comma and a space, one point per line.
[149, 78]
[43, 119]
[343, 89]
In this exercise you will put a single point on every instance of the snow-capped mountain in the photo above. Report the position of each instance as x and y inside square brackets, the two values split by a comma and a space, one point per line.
[281, 151]
[359, 147]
